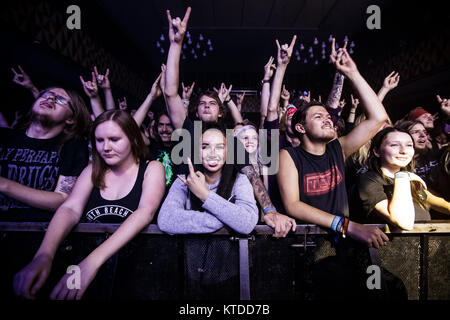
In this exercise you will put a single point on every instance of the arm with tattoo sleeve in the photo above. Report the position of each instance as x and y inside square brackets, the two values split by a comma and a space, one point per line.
[336, 91]
[280, 222]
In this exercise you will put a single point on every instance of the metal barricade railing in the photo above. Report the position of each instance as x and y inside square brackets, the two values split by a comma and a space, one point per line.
[303, 241]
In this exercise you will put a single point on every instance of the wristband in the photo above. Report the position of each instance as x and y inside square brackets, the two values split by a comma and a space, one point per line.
[226, 101]
[185, 102]
[344, 229]
[335, 223]
[268, 209]
[265, 81]
[401, 174]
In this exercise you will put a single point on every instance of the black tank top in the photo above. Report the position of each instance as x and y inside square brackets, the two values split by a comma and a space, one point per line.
[321, 179]
[114, 211]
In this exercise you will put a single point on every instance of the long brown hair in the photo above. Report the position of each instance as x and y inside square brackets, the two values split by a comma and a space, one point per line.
[131, 130]
[79, 128]
[81, 118]
[417, 191]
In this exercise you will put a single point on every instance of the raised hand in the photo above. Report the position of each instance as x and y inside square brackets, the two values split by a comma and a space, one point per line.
[343, 62]
[223, 92]
[90, 87]
[102, 80]
[391, 81]
[162, 81]
[187, 91]
[156, 90]
[333, 47]
[355, 102]
[22, 79]
[269, 69]
[122, 104]
[342, 103]
[445, 105]
[196, 182]
[285, 51]
[178, 27]
[285, 95]
[308, 97]
[240, 98]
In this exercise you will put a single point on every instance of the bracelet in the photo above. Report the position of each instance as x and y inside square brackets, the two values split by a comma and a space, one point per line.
[401, 174]
[335, 223]
[185, 102]
[352, 111]
[268, 209]
[344, 229]
[340, 225]
[265, 81]
[227, 101]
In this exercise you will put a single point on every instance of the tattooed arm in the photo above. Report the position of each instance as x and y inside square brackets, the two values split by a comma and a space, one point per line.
[338, 82]
[336, 91]
[47, 200]
[280, 222]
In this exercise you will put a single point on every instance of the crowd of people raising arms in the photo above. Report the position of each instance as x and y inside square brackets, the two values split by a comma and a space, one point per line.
[339, 174]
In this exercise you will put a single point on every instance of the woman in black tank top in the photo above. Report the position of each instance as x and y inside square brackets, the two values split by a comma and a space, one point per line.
[119, 184]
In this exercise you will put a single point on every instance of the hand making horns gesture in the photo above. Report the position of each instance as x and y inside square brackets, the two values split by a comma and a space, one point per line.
[285, 51]
[177, 27]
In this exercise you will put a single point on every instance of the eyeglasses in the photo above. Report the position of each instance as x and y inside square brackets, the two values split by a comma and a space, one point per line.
[59, 99]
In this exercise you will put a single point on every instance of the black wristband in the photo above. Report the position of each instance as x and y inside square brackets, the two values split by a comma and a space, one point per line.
[265, 81]
[226, 101]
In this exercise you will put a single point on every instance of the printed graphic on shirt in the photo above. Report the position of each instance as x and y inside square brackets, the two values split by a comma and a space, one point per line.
[32, 168]
[424, 170]
[164, 158]
[318, 183]
[111, 210]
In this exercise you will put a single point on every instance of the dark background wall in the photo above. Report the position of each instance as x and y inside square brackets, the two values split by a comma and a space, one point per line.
[122, 35]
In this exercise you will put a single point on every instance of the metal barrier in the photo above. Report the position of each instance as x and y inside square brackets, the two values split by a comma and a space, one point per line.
[168, 267]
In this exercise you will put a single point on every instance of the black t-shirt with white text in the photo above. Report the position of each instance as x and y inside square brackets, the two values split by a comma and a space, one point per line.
[36, 163]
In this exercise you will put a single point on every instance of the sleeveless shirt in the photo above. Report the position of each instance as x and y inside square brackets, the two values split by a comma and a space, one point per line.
[102, 210]
[321, 178]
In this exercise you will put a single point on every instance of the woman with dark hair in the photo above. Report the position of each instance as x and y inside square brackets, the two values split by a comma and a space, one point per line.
[118, 187]
[390, 190]
[213, 197]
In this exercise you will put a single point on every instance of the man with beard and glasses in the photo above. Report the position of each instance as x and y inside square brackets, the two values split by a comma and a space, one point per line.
[40, 163]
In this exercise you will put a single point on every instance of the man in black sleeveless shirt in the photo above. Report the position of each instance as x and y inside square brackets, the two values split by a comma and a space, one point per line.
[312, 175]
